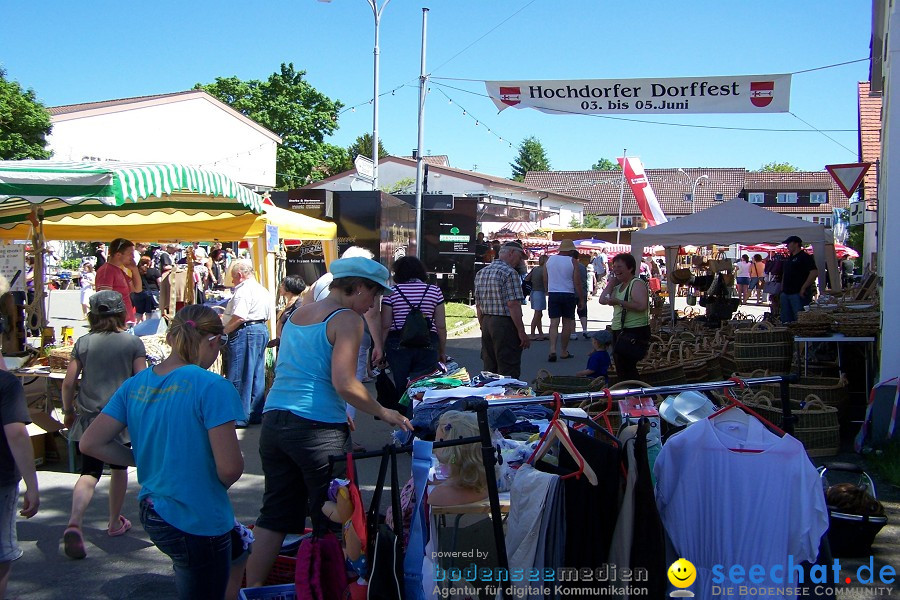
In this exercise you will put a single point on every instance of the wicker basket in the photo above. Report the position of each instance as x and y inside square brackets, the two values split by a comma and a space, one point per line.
[857, 323]
[831, 391]
[816, 427]
[59, 358]
[547, 383]
[661, 372]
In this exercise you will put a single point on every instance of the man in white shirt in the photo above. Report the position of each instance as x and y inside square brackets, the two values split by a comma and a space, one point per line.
[245, 320]
[600, 268]
[565, 293]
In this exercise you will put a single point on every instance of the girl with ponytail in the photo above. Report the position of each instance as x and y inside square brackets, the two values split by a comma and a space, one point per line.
[181, 420]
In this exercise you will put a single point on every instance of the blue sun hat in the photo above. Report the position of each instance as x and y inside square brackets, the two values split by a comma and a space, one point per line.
[362, 267]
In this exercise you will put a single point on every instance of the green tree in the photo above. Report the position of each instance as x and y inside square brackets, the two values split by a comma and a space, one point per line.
[406, 185]
[604, 164]
[591, 222]
[363, 146]
[24, 122]
[778, 167]
[289, 106]
[532, 157]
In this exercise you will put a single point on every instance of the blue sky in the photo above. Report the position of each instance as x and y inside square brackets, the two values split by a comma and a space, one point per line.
[71, 52]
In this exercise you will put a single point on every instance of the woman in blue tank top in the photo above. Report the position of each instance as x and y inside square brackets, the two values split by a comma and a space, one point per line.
[305, 420]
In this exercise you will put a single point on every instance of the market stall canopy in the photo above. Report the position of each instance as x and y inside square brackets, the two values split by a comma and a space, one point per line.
[176, 224]
[732, 222]
[149, 202]
[73, 188]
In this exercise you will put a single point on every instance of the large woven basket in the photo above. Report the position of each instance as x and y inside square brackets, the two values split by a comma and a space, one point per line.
[547, 383]
[762, 333]
[831, 391]
[659, 373]
[816, 426]
[763, 347]
[857, 323]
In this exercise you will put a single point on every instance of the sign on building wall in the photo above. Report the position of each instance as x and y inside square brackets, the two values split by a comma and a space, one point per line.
[667, 95]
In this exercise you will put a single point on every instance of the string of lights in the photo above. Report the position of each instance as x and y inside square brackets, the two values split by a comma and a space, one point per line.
[478, 122]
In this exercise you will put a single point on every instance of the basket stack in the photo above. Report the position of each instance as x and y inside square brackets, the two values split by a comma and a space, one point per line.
[831, 391]
[763, 346]
[857, 323]
[59, 358]
[812, 323]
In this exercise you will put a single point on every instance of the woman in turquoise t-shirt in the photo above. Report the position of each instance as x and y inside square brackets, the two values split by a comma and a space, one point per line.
[181, 420]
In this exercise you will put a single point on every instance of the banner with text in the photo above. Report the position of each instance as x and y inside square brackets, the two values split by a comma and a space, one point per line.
[678, 95]
[643, 193]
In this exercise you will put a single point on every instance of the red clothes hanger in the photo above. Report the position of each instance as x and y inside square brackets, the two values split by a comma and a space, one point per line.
[559, 431]
[735, 403]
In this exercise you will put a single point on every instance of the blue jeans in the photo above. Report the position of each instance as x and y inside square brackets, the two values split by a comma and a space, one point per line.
[247, 367]
[201, 563]
[791, 305]
[406, 362]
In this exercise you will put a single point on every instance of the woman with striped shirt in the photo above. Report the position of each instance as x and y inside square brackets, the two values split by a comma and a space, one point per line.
[411, 291]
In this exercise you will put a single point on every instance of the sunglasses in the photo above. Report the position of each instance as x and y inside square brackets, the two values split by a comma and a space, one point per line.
[221, 337]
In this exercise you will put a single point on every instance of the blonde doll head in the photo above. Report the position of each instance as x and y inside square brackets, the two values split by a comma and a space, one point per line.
[465, 462]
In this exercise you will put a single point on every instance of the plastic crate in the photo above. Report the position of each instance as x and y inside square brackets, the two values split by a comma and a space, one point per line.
[269, 592]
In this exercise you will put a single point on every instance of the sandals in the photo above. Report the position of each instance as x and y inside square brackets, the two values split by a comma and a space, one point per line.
[125, 525]
[551, 358]
[569, 355]
[73, 543]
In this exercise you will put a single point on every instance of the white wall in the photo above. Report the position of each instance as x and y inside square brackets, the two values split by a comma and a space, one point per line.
[193, 132]
[888, 216]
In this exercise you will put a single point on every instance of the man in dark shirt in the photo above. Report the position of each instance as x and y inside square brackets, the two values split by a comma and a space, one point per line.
[800, 273]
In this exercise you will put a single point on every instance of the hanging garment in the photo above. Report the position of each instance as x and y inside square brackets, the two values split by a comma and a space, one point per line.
[620, 549]
[648, 536]
[528, 507]
[722, 507]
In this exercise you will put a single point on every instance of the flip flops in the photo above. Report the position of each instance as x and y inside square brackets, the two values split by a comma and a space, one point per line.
[570, 355]
[73, 543]
[125, 525]
[551, 358]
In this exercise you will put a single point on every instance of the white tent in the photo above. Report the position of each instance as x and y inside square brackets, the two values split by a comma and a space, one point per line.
[732, 222]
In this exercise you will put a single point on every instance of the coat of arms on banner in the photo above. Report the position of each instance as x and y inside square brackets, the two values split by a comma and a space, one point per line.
[510, 95]
[762, 93]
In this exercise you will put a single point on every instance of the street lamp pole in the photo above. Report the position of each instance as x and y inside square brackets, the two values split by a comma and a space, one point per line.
[376, 12]
[694, 188]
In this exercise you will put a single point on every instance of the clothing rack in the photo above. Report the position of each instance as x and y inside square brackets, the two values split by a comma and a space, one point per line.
[489, 459]
[488, 451]
[784, 382]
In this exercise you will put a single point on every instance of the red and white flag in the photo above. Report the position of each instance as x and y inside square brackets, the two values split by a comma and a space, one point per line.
[643, 193]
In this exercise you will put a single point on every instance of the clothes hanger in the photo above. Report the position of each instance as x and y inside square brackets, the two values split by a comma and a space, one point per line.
[742, 415]
[559, 431]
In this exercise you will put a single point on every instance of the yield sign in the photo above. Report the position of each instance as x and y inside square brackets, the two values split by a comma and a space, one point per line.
[849, 176]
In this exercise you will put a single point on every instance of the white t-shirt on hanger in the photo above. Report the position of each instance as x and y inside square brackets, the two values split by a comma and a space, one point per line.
[733, 508]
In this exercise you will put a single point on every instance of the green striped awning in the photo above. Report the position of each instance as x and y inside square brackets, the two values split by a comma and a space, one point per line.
[114, 184]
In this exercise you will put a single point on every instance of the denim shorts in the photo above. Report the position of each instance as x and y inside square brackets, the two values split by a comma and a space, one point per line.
[561, 304]
[743, 281]
[9, 543]
[201, 563]
[294, 453]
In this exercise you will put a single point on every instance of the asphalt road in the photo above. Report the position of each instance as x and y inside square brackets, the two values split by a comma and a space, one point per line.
[130, 567]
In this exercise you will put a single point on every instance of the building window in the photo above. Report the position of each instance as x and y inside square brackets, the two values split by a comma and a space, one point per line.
[786, 198]
[756, 197]
[818, 197]
[720, 197]
[826, 221]
[627, 222]
[688, 197]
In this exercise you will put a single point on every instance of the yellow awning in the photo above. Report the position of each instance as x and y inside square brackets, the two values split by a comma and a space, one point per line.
[152, 224]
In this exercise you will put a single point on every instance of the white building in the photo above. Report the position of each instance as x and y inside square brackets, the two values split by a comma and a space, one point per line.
[191, 128]
[501, 200]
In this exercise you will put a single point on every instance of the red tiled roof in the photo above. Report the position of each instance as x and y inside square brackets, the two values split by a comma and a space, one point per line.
[869, 138]
[438, 160]
[601, 188]
[71, 108]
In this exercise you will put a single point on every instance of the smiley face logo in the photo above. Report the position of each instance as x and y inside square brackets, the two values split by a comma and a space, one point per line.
[682, 573]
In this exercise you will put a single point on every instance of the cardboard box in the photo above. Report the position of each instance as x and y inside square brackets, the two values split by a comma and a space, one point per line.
[42, 425]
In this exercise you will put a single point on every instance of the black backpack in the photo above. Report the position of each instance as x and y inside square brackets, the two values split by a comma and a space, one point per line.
[416, 331]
